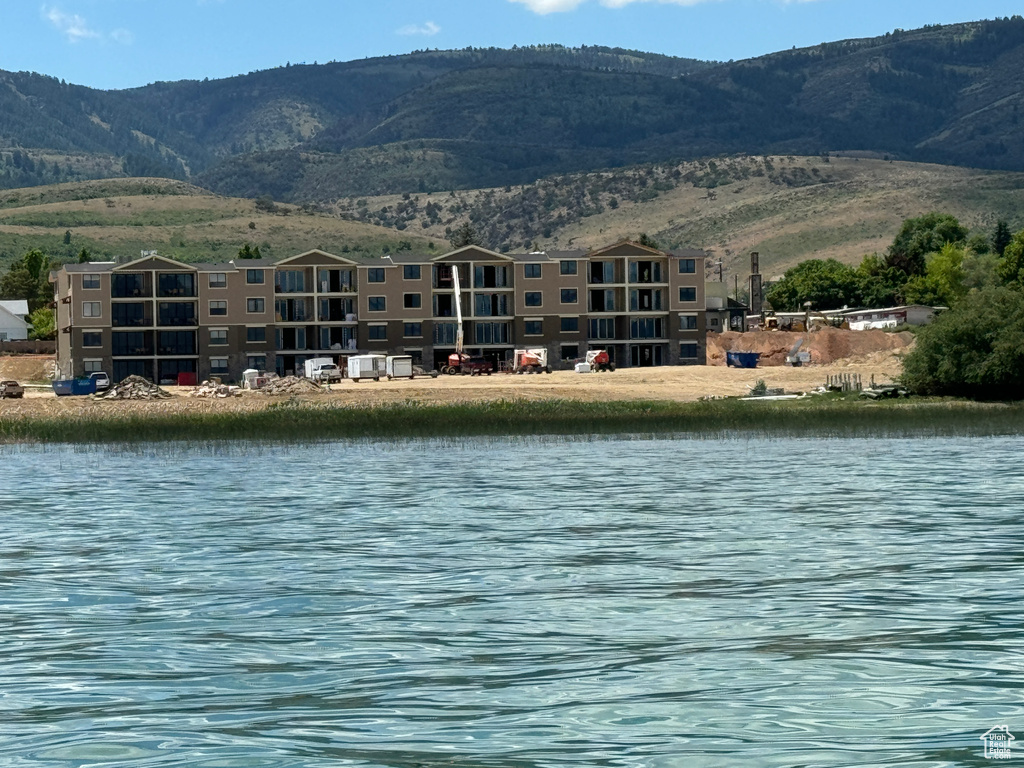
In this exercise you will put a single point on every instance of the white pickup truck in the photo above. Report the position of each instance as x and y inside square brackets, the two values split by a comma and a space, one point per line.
[322, 369]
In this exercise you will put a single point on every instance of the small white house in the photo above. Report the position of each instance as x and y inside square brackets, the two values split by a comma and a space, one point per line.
[13, 323]
[890, 317]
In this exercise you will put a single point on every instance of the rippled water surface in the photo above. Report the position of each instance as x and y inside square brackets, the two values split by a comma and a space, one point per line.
[536, 603]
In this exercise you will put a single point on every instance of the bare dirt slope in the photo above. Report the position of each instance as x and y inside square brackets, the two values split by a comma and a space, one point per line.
[25, 368]
[827, 345]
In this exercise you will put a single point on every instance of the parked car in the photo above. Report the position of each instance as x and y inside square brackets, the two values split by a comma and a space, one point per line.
[101, 379]
[11, 389]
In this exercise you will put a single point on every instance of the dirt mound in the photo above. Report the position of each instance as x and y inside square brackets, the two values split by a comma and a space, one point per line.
[290, 385]
[26, 367]
[826, 345]
[134, 388]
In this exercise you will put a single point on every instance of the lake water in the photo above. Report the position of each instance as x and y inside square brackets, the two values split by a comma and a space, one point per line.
[512, 604]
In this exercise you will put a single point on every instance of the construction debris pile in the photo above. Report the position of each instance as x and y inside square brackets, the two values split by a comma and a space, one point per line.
[213, 389]
[290, 385]
[134, 388]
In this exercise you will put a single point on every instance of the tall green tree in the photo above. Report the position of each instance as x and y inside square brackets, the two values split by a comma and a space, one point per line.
[1001, 237]
[249, 252]
[826, 283]
[43, 324]
[945, 281]
[1011, 266]
[921, 236]
[878, 284]
[464, 235]
[27, 278]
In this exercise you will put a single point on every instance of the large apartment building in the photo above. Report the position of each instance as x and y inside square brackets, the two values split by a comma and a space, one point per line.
[171, 321]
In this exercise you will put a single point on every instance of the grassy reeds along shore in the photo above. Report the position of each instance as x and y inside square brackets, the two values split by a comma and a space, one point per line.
[305, 421]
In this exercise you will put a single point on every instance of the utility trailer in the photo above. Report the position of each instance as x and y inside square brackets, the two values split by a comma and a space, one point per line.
[399, 367]
[367, 367]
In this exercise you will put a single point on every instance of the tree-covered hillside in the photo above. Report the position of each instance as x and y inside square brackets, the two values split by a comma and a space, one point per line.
[441, 120]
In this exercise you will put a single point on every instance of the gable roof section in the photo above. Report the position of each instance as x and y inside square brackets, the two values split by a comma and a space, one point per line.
[10, 319]
[472, 253]
[315, 258]
[155, 262]
[18, 307]
[627, 248]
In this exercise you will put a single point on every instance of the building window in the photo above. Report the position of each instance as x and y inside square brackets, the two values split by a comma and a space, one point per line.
[602, 328]
[378, 303]
[687, 294]
[413, 330]
[568, 267]
[375, 275]
[687, 266]
[413, 300]
[218, 337]
[570, 325]
[646, 328]
[92, 366]
[491, 333]
[255, 306]
[688, 350]
[90, 309]
[532, 270]
[92, 339]
[532, 298]
[218, 280]
[90, 281]
[218, 365]
[534, 327]
[256, 333]
[411, 272]
[256, 362]
[569, 296]
[218, 307]
[378, 332]
[254, 276]
[570, 352]
[687, 322]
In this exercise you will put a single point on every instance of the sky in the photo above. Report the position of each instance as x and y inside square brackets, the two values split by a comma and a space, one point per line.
[128, 43]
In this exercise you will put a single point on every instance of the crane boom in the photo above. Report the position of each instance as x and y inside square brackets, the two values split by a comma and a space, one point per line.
[458, 309]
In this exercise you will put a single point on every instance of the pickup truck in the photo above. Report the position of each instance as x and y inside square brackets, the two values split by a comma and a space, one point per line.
[101, 379]
[11, 389]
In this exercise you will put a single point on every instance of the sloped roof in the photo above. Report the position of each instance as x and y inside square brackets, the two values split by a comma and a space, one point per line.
[17, 307]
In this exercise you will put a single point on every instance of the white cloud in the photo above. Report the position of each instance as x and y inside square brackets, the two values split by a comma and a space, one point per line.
[544, 7]
[429, 29]
[75, 28]
[71, 25]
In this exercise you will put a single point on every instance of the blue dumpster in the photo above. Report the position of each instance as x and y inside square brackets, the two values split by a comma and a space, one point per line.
[742, 359]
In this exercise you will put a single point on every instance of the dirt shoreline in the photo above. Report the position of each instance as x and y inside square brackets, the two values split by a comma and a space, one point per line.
[675, 383]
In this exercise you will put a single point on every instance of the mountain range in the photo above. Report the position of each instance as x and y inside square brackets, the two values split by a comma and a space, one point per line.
[474, 118]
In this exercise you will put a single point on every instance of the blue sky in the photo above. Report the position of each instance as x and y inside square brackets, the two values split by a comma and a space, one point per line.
[126, 43]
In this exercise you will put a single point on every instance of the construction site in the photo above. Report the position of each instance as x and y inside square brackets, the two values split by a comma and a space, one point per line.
[834, 354]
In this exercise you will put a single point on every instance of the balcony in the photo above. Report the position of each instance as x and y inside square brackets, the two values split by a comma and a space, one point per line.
[131, 315]
[177, 314]
[646, 272]
[293, 310]
[131, 286]
[132, 343]
[176, 286]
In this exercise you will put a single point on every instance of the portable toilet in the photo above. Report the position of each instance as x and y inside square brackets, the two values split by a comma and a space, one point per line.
[399, 367]
[366, 367]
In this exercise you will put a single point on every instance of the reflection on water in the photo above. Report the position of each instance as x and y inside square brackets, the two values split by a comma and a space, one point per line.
[537, 603]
